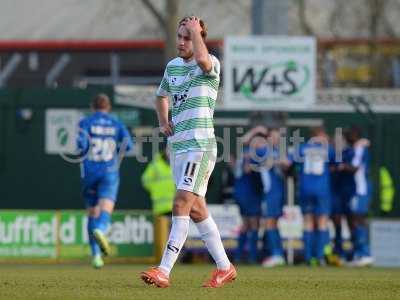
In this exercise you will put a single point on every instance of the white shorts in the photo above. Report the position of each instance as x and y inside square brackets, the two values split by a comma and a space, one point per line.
[192, 170]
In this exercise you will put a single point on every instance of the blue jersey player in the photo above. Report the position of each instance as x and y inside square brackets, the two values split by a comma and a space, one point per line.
[342, 190]
[359, 191]
[102, 142]
[247, 194]
[314, 159]
[273, 198]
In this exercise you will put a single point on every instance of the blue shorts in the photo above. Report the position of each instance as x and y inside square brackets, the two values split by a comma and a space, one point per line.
[272, 205]
[315, 202]
[250, 207]
[359, 204]
[99, 186]
[340, 204]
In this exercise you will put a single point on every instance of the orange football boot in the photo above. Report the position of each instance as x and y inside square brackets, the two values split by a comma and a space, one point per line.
[220, 277]
[155, 276]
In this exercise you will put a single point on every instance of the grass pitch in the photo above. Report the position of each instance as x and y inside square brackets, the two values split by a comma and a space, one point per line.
[253, 282]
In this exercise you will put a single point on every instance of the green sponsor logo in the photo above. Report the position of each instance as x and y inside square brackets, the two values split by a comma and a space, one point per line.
[62, 136]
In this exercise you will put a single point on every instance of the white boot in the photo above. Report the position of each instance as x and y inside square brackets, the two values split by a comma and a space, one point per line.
[273, 261]
[364, 261]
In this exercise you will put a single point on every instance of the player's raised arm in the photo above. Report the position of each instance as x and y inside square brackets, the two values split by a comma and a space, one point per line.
[246, 138]
[200, 51]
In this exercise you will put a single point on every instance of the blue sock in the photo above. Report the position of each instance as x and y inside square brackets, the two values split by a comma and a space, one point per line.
[321, 242]
[308, 246]
[266, 244]
[274, 240]
[94, 248]
[361, 241]
[103, 220]
[338, 249]
[241, 243]
[253, 246]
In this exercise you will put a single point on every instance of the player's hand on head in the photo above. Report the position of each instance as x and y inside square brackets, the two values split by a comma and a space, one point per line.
[193, 24]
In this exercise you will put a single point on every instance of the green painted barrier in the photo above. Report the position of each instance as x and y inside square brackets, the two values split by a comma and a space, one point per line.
[63, 235]
[28, 234]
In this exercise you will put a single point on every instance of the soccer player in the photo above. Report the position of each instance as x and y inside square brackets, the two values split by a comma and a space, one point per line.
[342, 191]
[192, 81]
[314, 158]
[102, 141]
[273, 199]
[247, 194]
[359, 200]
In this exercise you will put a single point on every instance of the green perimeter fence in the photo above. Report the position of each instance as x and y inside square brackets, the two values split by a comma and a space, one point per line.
[58, 235]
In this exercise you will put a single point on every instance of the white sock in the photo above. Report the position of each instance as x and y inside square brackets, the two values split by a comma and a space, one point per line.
[210, 235]
[177, 237]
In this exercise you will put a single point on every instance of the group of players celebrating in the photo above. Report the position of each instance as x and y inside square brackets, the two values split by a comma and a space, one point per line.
[331, 180]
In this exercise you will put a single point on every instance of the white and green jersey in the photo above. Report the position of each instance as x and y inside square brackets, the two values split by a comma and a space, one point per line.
[193, 94]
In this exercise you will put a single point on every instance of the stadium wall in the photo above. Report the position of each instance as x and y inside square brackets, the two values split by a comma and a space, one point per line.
[32, 179]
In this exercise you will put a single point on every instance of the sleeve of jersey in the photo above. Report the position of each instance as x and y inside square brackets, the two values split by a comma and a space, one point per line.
[358, 157]
[163, 90]
[215, 69]
[126, 142]
[82, 141]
